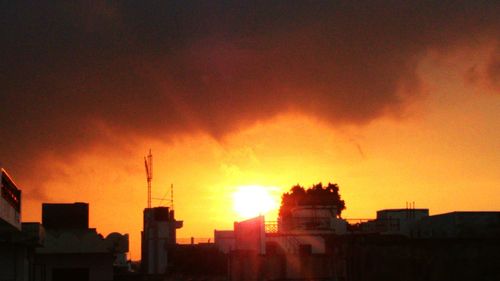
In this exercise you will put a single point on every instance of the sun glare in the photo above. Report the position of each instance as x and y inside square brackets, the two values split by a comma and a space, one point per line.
[253, 200]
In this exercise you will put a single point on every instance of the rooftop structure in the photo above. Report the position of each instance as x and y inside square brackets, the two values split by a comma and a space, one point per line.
[394, 221]
[158, 238]
[72, 250]
[318, 219]
[10, 203]
[459, 225]
[65, 215]
[224, 240]
[400, 244]
[17, 240]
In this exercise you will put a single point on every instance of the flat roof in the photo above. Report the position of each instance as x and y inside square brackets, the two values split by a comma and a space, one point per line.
[403, 210]
[468, 213]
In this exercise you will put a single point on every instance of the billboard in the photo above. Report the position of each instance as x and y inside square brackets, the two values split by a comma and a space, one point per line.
[250, 235]
[10, 203]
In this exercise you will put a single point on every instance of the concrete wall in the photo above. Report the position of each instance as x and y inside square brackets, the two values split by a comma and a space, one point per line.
[99, 265]
[291, 243]
[10, 203]
[224, 240]
[316, 219]
[65, 215]
[16, 262]
[459, 225]
[386, 258]
[250, 266]
[376, 258]
[250, 235]
[399, 221]
[9, 217]
[158, 235]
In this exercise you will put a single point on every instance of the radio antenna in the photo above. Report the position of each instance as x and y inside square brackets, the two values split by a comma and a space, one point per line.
[148, 163]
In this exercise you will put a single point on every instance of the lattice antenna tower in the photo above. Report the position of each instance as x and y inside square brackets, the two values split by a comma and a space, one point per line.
[148, 163]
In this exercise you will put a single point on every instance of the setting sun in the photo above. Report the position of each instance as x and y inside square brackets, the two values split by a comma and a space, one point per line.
[253, 200]
[397, 102]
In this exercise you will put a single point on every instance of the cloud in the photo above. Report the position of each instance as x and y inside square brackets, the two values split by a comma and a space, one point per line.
[493, 69]
[72, 73]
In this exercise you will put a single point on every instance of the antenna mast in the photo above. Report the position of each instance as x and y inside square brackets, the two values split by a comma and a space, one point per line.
[148, 163]
[172, 196]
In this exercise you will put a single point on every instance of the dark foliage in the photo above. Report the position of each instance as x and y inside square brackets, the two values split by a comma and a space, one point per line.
[314, 195]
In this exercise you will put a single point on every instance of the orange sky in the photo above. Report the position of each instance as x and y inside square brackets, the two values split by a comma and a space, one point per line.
[394, 102]
[443, 153]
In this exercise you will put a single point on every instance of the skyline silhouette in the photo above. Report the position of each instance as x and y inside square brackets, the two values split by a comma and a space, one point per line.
[395, 102]
[309, 241]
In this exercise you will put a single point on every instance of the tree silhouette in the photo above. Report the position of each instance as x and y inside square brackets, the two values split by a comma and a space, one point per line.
[314, 195]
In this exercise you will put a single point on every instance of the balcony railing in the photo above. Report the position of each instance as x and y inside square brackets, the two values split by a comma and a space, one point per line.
[194, 240]
[301, 223]
[271, 227]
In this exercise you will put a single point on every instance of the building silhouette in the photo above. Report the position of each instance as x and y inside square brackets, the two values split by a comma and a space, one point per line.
[158, 239]
[17, 240]
[400, 244]
[72, 250]
[62, 247]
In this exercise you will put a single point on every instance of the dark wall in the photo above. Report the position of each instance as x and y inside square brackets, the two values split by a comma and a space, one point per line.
[74, 274]
[386, 258]
[247, 265]
[375, 258]
[74, 215]
[198, 259]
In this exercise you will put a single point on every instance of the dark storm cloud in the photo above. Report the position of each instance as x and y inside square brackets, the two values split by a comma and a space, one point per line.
[70, 69]
[493, 69]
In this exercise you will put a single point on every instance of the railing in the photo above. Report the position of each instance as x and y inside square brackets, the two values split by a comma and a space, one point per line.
[271, 227]
[315, 223]
[194, 240]
[374, 225]
[356, 221]
[306, 223]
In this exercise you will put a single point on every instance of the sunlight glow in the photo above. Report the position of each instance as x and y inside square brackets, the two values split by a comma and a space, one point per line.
[253, 200]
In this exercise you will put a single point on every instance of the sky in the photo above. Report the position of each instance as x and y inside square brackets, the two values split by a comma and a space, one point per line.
[395, 101]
